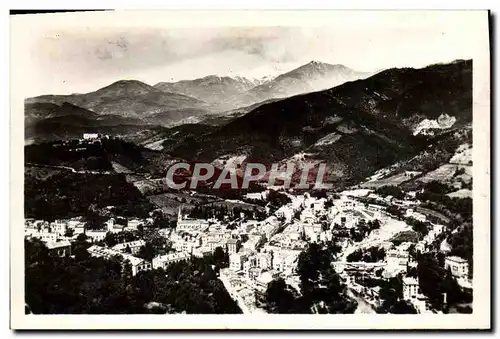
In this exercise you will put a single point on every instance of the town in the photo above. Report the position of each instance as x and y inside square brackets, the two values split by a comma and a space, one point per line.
[380, 240]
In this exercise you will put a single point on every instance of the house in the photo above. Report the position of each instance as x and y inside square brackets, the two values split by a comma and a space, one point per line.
[271, 226]
[410, 288]
[410, 213]
[233, 245]
[285, 261]
[137, 264]
[236, 261]
[162, 261]
[396, 259]
[133, 246]
[191, 225]
[96, 235]
[185, 242]
[307, 216]
[264, 260]
[265, 278]
[284, 212]
[438, 229]
[58, 226]
[420, 247]
[255, 240]
[459, 267]
[133, 224]
[59, 248]
[79, 229]
[90, 136]
[312, 231]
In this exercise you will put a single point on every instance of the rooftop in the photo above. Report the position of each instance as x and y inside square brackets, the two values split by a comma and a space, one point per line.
[57, 244]
[456, 259]
[410, 281]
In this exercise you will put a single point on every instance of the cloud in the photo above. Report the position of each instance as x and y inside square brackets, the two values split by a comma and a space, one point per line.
[84, 58]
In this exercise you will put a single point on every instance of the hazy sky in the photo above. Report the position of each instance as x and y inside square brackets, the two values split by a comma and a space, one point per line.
[84, 57]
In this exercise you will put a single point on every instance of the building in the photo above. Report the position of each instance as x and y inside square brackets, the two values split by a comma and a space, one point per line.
[410, 288]
[285, 261]
[59, 248]
[312, 231]
[438, 229]
[59, 227]
[133, 246]
[264, 260]
[254, 242]
[410, 213]
[185, 242]
[284, 212]
[271, 226]
[265, 278]
[397, 259]
[96, 235]
[137, 264]
[191, 225]
[307, 216]
[162, 261]
[90, 136]
[212, 244]
[233, 245]
[236, 261]
[133, 224]
[459, 267]
[420, 247]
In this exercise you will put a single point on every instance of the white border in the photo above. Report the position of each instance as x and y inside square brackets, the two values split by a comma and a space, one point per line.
[481, 87]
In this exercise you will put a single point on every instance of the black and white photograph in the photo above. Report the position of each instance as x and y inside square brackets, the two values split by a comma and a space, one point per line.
[250, 164]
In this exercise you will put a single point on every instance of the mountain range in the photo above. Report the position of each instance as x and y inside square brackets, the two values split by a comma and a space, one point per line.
[355, 128]
[227, 93]
[168, 104]
[358, 124]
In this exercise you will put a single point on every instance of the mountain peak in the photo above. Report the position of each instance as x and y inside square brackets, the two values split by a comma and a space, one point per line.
[315, 62]
[120, 83]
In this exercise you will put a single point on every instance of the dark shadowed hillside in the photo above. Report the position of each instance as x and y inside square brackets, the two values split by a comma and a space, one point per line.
[128, 98]
[356, 128]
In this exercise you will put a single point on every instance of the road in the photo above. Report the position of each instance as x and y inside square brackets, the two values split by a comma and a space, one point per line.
[363, 306]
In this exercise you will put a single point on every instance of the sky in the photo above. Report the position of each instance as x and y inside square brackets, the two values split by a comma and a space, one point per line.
[66, 57]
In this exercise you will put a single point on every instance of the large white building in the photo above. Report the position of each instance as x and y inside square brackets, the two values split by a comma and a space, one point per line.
[191, 225]
[134, 246]
[459, 267]
[162, 261]
[236, 261]
[137, 264]
[60, 248]
[185, 242]
[58, 226]
[96, 235]
[90, 136]
[410, 288]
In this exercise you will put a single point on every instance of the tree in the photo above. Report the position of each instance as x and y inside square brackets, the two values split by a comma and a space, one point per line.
[56, 285]
[391, 291]
[280, 298]
[395, 191]
[221, 258]
[320, 285]
[146, 252]
[80, 248]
